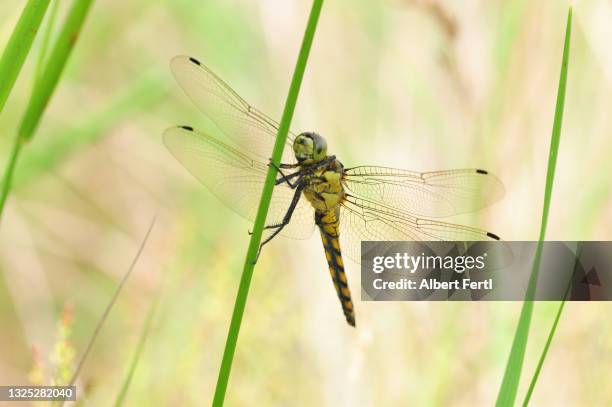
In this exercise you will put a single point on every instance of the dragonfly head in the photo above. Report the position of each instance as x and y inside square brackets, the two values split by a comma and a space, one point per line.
[309, 147]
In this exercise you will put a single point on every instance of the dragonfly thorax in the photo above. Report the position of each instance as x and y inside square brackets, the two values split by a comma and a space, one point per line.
[323, 186]
[309, 147]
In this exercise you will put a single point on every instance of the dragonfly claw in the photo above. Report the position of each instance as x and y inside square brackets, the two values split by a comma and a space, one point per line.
[254, 262]
[271, 164]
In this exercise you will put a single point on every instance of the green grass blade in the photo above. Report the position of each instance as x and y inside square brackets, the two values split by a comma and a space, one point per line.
[19, 46]
[553, 329]
[55, 66]
[512, 374]
[264, 204]
[44, 89]
[139, 349]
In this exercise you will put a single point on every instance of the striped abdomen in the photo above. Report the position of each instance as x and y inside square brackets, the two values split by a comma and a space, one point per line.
[328, 226]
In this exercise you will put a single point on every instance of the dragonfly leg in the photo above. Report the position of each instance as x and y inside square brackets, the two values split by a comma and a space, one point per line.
[275, 226]
[285, 178]
[288, 166]
[286, 219]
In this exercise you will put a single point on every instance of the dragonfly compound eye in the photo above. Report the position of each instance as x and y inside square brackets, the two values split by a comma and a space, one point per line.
[304, 147]
[320, 147]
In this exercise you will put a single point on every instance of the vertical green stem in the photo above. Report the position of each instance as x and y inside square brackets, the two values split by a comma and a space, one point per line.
[264, 204]
[512, 374]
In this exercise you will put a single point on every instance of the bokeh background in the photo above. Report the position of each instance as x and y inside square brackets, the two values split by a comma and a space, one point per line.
[418, 84]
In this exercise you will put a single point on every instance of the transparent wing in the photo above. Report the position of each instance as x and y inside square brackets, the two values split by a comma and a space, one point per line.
[245, 125]
[362, 219]
[433, 194]
[236, 179]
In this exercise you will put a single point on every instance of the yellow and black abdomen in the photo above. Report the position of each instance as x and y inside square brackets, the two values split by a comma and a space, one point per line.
[328, 223]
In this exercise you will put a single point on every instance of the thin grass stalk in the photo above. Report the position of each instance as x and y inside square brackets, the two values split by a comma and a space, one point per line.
[138, 352]
[264, 204]
[553, 329]
[514, 366]
[19, 45]
[110, 305]
[44, 88]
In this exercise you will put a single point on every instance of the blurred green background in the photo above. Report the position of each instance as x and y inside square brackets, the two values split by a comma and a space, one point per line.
[421, 84]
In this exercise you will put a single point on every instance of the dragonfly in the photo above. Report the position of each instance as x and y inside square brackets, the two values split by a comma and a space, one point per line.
[314, 189]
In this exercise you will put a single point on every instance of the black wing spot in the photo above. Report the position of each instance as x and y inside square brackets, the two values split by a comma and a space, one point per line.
[195, 61]
[186, 128]
[482, 172]
[493, 236]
